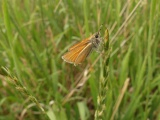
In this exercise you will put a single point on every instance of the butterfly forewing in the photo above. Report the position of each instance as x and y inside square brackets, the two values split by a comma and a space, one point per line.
[83, 42]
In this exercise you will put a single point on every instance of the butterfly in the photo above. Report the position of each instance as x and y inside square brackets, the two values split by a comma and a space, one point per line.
[79, 52]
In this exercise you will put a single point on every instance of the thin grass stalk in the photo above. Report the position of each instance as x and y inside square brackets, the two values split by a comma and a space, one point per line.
[101, 98]
[22, 89]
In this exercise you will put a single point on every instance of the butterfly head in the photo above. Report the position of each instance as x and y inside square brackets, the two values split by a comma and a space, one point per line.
[96, 39]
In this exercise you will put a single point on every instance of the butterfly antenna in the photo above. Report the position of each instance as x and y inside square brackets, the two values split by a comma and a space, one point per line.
[100, 28]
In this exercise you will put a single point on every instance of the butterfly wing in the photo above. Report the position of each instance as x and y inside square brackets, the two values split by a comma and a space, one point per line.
[83, 42]
[71, 55]
[83, 54]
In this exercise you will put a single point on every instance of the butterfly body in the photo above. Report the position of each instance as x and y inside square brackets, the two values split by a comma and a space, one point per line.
[79, 52]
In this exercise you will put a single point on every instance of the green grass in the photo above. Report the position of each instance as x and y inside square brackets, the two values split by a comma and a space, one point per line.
[35, 34]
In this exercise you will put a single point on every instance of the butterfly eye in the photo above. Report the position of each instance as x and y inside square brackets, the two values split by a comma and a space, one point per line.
[96, 36]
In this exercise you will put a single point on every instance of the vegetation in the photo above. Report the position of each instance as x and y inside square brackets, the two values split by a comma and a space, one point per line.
[35, 83]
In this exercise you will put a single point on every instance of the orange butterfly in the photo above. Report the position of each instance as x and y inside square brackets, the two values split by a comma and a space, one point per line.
[80, 51]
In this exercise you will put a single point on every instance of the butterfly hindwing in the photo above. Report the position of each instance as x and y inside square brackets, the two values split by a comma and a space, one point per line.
[71, 55]
[83, 54]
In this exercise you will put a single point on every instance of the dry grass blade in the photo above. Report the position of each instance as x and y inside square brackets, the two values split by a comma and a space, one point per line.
[126, 21]
[120, 97]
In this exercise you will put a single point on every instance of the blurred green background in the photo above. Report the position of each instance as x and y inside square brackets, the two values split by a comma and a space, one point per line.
[34, 34]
